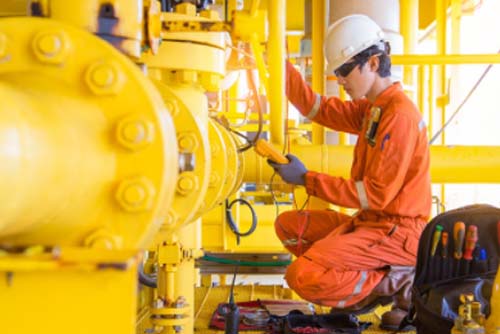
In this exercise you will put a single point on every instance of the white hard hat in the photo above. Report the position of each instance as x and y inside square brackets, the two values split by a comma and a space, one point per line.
[349, 36]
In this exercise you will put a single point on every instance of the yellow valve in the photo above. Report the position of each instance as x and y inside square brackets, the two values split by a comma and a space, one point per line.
[268, 151]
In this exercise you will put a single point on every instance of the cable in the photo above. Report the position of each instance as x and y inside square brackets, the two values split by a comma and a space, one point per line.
[232, 224]
[433, 139]
[246, 263]
[145, 279]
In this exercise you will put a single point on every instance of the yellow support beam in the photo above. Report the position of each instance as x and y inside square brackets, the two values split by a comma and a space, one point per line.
[450, 59]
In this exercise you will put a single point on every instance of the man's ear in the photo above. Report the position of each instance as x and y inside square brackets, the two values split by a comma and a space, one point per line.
[374, 63]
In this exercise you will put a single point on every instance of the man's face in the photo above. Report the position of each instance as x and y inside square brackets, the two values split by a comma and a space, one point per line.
[356, 76]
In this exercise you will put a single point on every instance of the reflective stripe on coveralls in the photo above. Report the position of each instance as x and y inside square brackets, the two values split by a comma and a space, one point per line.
[389, 183]
[363, 200]
[357, 289]
[293, 242]
[315, 107]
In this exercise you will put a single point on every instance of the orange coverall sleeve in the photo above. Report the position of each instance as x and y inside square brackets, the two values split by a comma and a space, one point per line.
[386, 167]
[346, 116]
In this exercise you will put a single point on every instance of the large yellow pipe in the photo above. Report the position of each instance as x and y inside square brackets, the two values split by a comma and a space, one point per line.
[85, 142]
[449, 164]
[45, 143]
[276, 93]
[319, 22]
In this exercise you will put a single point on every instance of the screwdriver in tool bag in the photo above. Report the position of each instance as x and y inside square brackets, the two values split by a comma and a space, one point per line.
[444, 244]
[458, 243]
[470, 244]
[435, 239]
[470, 241]
[458, 239]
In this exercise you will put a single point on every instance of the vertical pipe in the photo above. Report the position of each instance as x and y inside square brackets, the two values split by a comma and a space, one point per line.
[441, 18]
[258, 51]
[408, 28]
[421, 88]
[319, 22]
[254, 6]
[441, 50]
[276, 92]
[456, 16]
[430, 89]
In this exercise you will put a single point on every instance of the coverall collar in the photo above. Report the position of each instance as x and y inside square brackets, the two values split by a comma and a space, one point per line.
[384, 97]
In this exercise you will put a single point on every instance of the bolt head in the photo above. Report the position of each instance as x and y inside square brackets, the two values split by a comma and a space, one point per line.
[135, 132]
[187, 142]
[187, 183]
[135, 194]
[51, 46]
[104, 78]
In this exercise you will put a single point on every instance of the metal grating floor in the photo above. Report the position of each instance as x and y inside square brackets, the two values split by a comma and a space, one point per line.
[207, 299]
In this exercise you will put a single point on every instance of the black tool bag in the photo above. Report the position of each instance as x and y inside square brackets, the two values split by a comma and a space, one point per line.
[439, 280]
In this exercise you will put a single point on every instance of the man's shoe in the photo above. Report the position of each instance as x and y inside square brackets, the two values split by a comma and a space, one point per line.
[392, 319]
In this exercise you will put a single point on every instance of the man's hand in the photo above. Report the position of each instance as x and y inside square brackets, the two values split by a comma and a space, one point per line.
[293, 172]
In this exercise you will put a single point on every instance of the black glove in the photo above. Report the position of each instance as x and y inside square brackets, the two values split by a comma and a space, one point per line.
[293, 172]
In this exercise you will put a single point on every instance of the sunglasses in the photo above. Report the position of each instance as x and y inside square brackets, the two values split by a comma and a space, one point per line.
[344, 70]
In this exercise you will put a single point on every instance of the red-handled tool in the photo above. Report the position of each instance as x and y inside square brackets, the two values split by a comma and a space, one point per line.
[444, 244]
[470, 241]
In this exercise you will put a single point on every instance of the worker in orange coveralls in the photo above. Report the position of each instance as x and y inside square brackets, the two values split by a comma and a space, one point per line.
[354, 263]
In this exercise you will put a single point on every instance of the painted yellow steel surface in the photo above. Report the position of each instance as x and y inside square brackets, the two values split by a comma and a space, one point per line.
[191, 127]
[88, 148]
[226, 166]
[449, 164]
[119, 22]
[276, 56]
[49, 296]
[319, 25]
[450, 59]
[200, 185]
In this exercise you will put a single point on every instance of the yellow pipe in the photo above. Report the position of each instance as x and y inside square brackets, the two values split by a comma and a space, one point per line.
[441, 18]
[421, 88]
[70, 148]
[258, 51]
[37, 148]
[456, 16]
[319, 22]
[276, 92]
[254, 7]
[409, 29]
[449, 164]
[430, 101]
[450, 59]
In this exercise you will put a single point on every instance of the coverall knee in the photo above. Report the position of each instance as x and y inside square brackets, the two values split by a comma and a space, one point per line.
[341, 258]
